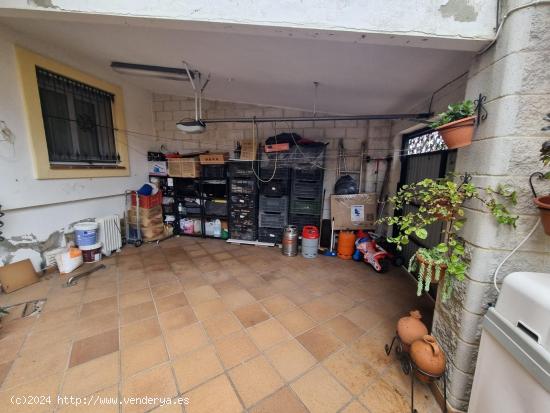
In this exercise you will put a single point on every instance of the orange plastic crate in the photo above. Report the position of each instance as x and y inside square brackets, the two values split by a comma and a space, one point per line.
[148, 201]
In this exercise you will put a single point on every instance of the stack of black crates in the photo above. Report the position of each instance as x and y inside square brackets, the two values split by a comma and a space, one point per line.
[306, 195]
[243, 201]
[273, 212]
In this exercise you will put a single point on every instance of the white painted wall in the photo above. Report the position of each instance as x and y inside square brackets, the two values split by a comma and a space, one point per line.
[41, 207]
[465, 19]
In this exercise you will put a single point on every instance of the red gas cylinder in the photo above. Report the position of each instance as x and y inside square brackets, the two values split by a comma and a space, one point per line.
[346, 244]
[310, 232]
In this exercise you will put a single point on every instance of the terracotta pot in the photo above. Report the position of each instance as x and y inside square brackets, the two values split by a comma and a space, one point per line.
[410, 328]
[543, 203]
[428, 357]
[459, 133]
[443, 203]
[421, 260]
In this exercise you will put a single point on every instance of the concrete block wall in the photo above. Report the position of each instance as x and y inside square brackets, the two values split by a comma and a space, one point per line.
[168, 109]
[505, 151]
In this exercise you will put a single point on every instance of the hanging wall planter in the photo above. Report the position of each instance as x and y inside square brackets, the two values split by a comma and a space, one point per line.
[543, 203]
[459, 133]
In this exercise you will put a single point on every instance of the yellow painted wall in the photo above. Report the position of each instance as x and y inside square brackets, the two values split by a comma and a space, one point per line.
[27, 62]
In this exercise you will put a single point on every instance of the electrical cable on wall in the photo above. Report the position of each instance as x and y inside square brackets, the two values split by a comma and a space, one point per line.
[1, 223]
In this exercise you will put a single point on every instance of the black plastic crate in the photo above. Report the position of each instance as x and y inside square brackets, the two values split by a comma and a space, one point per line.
[305, 206]
[273, 204]
[243, 216]
[274, 235]
[275, 187]
[243, 231]
[281, 172]
[307, 173]
[245, 200]
[213, 172]
[186, 187]
[242, 169]
[242, 186]
[272, 220]
[307, 189]
[215, 208]
[301, 220]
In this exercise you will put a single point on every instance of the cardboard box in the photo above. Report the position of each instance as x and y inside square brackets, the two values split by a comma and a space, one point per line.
[184, 167]
[248, 150]
[147, 216]
[213, 158]
[17, 275]
[353, 212]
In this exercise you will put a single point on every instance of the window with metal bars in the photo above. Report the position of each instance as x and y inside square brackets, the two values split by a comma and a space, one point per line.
[78, 121]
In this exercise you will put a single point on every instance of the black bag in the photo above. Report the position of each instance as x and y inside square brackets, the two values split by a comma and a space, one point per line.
[346, 185]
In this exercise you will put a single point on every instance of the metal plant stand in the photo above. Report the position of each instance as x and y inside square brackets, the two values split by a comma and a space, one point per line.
[410, 369]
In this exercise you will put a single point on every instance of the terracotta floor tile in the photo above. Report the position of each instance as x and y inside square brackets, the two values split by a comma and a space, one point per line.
[92, 347]
[218, 276]
[171, 302]
[268, 333]
[137, 312]
[197, 367]
[223, 256]
[175, 407]
[320, 342]
[136, 297]
[10, 346]
[44, 386]
[372, 351]
[132, 285]
[238, 299]
[320, 392]
[201, 294]
[381, 397]
[261, 292]
[91, 326]
[343, 328]
[217, 395]
[235, 349]
[355, 407]
[177, 318]
[143, 356]
[157, 382]
[192, 282]
[277, 304]
[163, 290]
[92, 376]
[283, 400]
[102, 406]
[363, 317]
[96, 294]
[221, 325]
[4, 370]
[40, 362]
[251, 314]
[255, 380]
[186, 339]
[52, 319]
[290, 359]
[351, 371]
[209, 309]
[296, 321]
[228, 286]
[320, 309]
[139, 331]
[299, 296]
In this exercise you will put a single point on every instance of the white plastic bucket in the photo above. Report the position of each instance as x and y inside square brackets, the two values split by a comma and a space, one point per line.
[91, 253]
[85, 233]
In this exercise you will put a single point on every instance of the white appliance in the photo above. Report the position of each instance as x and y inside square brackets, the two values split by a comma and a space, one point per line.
[513, 366]
[109, 234]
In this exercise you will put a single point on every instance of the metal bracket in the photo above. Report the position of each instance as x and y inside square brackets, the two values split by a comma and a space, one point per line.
[547, 119]
[481, 112]
[539, 175]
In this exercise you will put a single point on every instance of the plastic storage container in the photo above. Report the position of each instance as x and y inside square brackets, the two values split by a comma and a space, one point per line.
[272, 220]
[91, 253]
[85, 233]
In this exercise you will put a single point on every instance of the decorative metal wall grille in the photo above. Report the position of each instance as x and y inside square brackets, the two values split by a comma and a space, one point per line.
[78, 120]
[427, 142]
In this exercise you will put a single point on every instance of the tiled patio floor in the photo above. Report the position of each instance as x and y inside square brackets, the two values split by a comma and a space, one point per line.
[233, 328]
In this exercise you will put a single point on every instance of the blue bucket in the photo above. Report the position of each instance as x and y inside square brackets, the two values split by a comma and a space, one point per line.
[85, 233]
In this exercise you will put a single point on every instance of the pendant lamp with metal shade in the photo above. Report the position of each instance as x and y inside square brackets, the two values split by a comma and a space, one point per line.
[194, 126]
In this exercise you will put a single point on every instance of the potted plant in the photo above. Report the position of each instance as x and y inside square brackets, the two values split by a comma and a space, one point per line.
[442, 200]
[456, 125]
[543, 202]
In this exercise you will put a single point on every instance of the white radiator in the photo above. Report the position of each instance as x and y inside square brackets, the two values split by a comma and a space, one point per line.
[109, 233]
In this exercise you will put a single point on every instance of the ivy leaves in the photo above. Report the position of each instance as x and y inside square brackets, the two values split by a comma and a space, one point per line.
[454, 112]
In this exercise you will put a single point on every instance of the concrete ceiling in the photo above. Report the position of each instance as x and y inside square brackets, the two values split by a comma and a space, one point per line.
[355, 77]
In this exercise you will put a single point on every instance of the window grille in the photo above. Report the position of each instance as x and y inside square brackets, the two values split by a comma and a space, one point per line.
[78, 121]
[429, 141]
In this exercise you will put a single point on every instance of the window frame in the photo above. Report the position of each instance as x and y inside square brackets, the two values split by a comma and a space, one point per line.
[28, 61]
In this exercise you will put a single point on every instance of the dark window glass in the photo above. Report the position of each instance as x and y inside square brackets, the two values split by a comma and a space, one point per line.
[77, 119]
